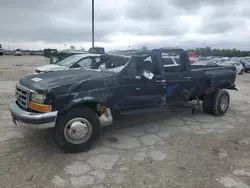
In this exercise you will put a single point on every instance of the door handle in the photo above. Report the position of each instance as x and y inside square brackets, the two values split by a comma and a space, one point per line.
[160, 81]
[186, 77]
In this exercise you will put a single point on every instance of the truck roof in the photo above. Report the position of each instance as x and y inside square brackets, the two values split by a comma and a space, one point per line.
[160, 50]
[86, 54]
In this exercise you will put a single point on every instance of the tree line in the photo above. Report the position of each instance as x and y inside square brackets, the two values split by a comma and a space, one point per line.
[207, 51]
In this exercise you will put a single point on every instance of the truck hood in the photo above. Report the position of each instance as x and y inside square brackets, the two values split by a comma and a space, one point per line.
[50, 67]
[51, 80]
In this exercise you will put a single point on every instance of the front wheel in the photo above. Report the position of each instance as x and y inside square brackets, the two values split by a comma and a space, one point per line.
[77, 130]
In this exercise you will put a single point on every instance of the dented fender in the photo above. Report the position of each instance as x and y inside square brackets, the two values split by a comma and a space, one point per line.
[97, 96]
[84, 98]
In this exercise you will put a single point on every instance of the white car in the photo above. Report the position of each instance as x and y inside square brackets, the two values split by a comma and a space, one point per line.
[205, 63]
[85, 61]
[18, 53]
[239, 67]
[72, 62]
[168, 61]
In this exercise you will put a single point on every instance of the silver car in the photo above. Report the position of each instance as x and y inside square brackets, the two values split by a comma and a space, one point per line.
[72, 62]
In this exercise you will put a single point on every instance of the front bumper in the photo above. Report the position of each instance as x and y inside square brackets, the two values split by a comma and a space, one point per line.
[31, 119]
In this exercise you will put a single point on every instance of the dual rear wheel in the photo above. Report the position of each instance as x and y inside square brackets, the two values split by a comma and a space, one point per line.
[216, 103]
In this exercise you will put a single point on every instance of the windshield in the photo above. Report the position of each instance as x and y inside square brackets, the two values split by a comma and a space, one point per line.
[113, 66]
[69, 60]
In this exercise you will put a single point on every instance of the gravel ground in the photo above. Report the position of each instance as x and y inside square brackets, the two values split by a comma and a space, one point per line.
[170, 149]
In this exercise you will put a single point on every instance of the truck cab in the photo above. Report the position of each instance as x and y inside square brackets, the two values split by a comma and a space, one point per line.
[76, 104]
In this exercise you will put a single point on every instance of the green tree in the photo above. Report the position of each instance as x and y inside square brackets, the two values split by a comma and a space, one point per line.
[144, 48]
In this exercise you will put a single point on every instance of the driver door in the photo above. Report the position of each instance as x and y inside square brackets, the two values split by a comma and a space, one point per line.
[138, 92]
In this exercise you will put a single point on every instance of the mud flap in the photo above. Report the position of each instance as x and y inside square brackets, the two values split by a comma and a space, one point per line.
[232, 87]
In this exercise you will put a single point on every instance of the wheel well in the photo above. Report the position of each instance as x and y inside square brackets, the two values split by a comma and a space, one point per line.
[97, 107]
[92, 106]
[210, 89]
[224, 85]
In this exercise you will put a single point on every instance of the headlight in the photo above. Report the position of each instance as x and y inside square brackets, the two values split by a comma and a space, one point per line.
[37, 98]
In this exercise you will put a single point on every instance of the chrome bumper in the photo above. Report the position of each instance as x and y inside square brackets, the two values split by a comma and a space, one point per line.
[31, 119]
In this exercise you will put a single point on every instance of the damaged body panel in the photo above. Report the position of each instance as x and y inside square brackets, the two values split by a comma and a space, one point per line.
[80, 102]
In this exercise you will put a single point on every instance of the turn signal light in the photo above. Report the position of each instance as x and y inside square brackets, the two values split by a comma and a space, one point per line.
[39, 107]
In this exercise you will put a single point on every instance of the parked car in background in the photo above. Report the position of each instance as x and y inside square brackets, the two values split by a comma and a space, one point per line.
[55, 58]
[83, 61]
[205, 63]
[239, 67]
[1, 50]
[246, 63]
[169, 61]
[18, 53]
[73, 61]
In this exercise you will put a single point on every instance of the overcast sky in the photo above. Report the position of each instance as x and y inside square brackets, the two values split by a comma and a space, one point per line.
[122, 23]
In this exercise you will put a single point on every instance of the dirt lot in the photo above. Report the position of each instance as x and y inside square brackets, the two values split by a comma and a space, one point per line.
[168, 149]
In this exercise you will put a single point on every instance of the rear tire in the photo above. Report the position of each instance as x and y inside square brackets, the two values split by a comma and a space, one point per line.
[216, 103]
[221, 102]
[77, 130]
[242, 71]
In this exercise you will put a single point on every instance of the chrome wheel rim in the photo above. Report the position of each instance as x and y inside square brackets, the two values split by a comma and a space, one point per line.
[78, 130]
[224, 103]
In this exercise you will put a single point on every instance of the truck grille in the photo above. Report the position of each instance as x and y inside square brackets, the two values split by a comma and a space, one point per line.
[22, 96]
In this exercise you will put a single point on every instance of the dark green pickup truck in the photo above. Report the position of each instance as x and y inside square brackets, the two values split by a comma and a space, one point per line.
[78, 103]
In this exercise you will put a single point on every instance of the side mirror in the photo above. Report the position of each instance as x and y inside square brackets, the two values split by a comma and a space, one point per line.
[147, 74]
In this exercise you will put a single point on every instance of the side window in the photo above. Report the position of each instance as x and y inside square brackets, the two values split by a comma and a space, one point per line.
[85, 63]
[177, 60]
[148, 59]
[131, 70]
[170, 65]
[168, 61]
[97, 59]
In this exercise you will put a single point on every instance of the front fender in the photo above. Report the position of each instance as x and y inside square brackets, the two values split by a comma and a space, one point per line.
[97, 96]
[90, 100]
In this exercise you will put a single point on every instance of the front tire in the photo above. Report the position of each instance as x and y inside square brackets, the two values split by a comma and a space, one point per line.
[242, 71]
[77, 130]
